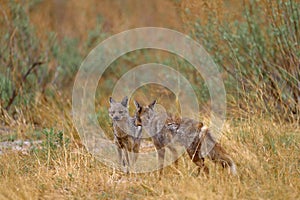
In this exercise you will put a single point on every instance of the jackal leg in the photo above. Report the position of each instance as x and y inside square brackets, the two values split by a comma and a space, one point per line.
[219, 155]
[198, 161]
[161, 158]
[175, 155]
[120, 157]
[134, 155]
[126, 161]
[201, 166]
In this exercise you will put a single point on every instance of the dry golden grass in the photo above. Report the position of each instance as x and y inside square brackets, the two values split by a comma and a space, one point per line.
[265, 150]
[266, 153]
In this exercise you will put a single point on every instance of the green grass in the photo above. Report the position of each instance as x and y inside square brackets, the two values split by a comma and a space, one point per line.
[258, 56]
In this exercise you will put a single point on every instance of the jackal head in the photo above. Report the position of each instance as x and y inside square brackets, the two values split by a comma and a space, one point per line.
[144, 114]
[118, 111]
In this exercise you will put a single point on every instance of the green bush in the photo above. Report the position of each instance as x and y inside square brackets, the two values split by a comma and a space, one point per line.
[22, 61]
[260, 53]
[26, 62]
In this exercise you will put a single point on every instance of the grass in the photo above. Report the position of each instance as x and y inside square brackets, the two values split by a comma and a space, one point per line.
[259, 53]
[258, 57]
[266, 153]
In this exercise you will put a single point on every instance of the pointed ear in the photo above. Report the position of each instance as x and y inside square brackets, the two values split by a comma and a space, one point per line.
[125, 101]
[151, 105]
[111, 101]
[137, 105]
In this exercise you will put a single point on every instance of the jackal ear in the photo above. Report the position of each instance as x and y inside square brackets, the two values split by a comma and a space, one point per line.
[137, 105]
[124, 101]
[151, 105]
[111, 101]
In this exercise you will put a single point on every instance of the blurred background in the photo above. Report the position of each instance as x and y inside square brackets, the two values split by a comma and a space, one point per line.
[255, 44]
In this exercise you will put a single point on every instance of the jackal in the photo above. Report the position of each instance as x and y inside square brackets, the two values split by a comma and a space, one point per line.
[154, 124]
[198, 141]
[127, 136]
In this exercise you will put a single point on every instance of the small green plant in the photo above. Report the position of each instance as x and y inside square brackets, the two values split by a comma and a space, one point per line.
[9, 137]
[54, 139]
[54, 146]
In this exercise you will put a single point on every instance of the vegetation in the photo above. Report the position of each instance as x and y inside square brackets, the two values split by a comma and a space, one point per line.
[254, 43]
[260, 51]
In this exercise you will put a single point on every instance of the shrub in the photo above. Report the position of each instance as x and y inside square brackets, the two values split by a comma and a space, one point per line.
[22, 60]
[260, 54]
